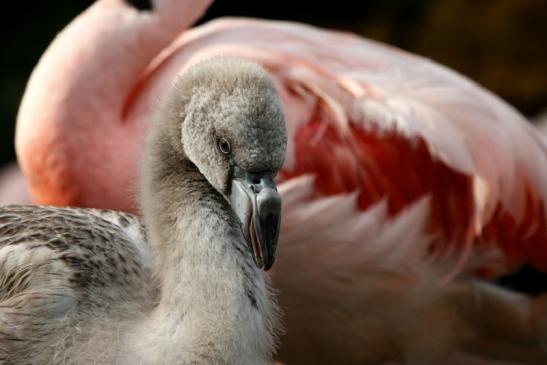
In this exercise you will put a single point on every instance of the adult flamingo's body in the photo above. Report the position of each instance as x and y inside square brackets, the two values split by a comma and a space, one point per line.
[400, 175]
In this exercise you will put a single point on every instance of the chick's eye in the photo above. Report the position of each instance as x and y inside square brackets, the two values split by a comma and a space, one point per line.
[224, 146]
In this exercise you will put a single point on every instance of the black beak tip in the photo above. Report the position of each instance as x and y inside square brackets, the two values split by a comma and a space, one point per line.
[270, 263]
[269, 215]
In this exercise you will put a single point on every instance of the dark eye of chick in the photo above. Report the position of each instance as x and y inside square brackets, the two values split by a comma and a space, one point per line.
[224, 146]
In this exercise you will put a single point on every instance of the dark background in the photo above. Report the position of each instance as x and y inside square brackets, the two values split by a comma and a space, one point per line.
[502, 44]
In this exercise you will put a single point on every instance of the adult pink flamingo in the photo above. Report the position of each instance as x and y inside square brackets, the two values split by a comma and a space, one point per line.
[402, 178]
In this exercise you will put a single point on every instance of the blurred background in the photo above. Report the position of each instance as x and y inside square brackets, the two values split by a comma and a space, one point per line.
[501, 44]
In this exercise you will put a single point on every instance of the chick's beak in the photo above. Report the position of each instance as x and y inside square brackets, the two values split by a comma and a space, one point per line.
[257, 204]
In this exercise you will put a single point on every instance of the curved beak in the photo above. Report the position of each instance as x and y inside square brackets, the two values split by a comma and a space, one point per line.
[257, 204]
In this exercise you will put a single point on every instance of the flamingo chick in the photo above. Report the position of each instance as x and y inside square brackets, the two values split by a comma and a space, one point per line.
[403, 182]
[82, 286]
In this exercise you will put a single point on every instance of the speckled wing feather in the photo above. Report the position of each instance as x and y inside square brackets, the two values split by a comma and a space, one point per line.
[54, 260]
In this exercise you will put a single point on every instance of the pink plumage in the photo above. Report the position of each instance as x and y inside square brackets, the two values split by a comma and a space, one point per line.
[400, 173]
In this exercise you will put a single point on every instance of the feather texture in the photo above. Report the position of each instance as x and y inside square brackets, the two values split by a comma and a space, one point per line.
[58, 267]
